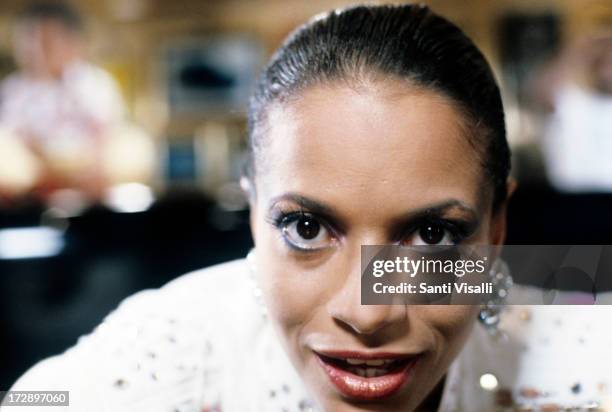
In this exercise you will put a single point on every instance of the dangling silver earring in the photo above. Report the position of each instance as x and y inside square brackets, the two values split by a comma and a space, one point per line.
[490, 311]
[257, 293]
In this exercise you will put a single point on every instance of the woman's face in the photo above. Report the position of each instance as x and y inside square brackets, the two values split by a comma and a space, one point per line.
[348, 166]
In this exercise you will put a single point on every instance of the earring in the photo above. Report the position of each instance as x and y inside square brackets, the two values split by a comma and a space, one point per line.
[257, 293]
[490, 311]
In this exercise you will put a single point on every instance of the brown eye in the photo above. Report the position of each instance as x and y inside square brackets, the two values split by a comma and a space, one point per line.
[306, 232]
[307, 227]
[432, 234]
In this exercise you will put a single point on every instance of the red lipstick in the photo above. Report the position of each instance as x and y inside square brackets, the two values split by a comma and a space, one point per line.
[367, 376]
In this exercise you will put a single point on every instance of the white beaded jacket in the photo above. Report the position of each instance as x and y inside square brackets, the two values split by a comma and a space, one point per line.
[200, 343]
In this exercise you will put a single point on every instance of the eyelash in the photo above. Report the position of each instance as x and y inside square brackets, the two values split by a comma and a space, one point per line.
[459, 229]
[282, 218]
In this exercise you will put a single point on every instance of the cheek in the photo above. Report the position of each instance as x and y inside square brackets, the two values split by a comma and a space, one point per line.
[450, 323]
[292, 295]
[288, 306]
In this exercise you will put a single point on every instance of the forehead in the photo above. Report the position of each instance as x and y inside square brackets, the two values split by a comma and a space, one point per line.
[384, 142]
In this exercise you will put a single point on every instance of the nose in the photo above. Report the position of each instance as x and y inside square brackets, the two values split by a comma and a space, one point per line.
[345, 308]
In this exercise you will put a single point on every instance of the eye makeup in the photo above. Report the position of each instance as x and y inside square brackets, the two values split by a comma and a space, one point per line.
[459, 229]
[451, 221]
[301, 230]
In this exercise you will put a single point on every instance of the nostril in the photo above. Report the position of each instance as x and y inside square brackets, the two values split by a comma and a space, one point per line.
[373, 322]
[347, 311]
[363, 324]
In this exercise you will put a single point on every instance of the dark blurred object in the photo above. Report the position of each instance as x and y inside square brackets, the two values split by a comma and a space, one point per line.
[539, 215]
[46, 303]
[526, 41]
[212, 74]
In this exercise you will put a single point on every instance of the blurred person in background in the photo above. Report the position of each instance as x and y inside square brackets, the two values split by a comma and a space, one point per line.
[56, 109]
[575, 89]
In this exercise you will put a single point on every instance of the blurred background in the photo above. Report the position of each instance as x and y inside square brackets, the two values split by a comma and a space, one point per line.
[122, 137]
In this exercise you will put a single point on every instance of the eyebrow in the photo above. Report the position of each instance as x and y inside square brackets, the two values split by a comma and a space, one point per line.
[438, 209]
[328, 212]
[312, 205]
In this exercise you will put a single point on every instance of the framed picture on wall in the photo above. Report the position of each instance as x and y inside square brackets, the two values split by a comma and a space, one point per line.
[212, 74]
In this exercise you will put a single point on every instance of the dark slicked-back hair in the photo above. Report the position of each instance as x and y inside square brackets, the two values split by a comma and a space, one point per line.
[402, 41]
[58, 11]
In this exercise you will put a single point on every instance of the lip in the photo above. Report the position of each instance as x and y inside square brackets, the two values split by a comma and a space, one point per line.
[363, 388]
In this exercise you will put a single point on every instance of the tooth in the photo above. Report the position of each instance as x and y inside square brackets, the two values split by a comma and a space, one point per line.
[370, 372]
[352, 361]
[375, 362]
[361, 372]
